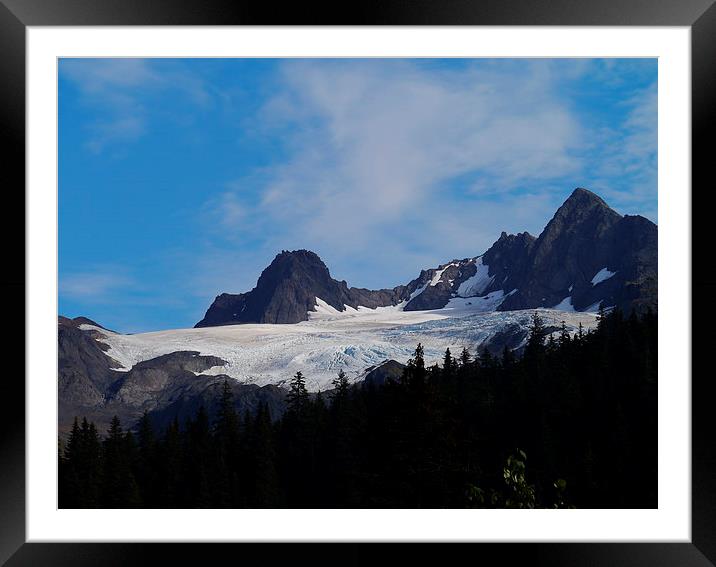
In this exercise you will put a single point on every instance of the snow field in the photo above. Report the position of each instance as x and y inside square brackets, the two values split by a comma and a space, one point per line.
[332, 340]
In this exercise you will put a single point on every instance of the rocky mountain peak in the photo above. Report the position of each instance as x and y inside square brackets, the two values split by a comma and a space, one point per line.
[582, 217]
[583, 205]
[562, 267]
[293, 265]
[288, 289]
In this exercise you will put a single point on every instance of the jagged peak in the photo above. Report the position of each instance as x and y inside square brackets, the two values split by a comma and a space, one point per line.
[519, 236]
[582, 198]
[301, 253]
[581, 205]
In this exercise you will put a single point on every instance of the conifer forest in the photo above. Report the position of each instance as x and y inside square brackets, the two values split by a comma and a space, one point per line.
[570, 422]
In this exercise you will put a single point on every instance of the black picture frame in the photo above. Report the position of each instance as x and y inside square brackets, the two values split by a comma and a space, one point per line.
[16, 15]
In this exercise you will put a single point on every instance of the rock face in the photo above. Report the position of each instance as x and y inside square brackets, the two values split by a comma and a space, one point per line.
[380, 374]
[167, 386]
[588, 255]
[287, 290]
[509, 260]
[84, 370]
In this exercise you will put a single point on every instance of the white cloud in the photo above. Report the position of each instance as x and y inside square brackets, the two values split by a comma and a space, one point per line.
[93, 286]
[116, 89]
[377, 148]
[628, 157]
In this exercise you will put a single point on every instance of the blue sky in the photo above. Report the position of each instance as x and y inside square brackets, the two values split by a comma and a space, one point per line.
[180, 179]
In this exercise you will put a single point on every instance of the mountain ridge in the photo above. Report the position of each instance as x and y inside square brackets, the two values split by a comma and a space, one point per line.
[584, 238]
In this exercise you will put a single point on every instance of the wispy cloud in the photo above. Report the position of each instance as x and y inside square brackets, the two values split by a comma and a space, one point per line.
[376, 150]
[117, 90]
[94, 286]
[627, 158]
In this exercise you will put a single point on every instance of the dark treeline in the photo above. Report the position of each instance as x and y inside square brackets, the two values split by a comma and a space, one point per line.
[573, 422]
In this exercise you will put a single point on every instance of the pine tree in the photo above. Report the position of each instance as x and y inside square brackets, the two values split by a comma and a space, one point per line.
[564, 337]
[171, 467]
[414, 373]
[85, 463]
[465, 358]
[448, 363]
[264, 475]
[70, 489]
[419, 357]
[226, 434]
[147, 468]
[341, 386]
[298, 395]
[600, 315]
[199, 443]
[227, 422]
[536, 334]
[119, 487]
[72, 448]
[298, 444]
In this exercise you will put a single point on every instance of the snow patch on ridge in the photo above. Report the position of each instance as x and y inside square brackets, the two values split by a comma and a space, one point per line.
[601, 276]
[417, 292]
[324, 311]
[565, 305]
[478, 283]
[439, 274]
[483, 304]
[324, 308]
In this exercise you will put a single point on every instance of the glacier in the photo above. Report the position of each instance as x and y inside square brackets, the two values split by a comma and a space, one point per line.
[331, 340]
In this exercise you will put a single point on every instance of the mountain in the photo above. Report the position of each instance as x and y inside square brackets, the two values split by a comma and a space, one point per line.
[587, 256]
[93, 384]
[172, 373]
[287, 290]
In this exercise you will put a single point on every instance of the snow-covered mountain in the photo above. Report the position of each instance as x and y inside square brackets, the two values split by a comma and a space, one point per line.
[299, 318]
[104, 373]
[352, 340]
[287, 290]
[588, 255]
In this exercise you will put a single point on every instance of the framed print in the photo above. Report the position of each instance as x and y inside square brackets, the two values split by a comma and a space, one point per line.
[291, 279]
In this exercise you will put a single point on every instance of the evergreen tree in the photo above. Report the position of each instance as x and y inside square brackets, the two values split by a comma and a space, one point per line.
[264, 474]
[197, 454]
[172, 468]
[227, 437]
[69, 484]
[227, 422]
[146, 469]
[298, 395]
[564, 337]
[414, 372]
[341, 386]
[536, 336]
[448, 363]
[465, 358]
[119, 488]
[600, 315]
